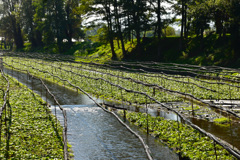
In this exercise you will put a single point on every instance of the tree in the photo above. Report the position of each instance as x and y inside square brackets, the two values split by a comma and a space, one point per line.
[73, 20]
[29, 9]
[118, 24]
[169, 31]
[235, 26]
[137, 17]
[105, 10]
[11, 10]
[159, 11]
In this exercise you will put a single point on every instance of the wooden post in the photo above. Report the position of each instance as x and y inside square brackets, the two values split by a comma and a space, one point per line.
[192, 109]
[230, 95]
[1, 132]
[71, 73]
[65, 136]
[124, 116]
[12, 69]
[52, 74]
[123, 106]
[1, 63]
[32, 83]
[46, 97]
[179, 137]
[55, 104]
[230, 125]
[118, 78]
[137, 83]
[147, 116]
[214, 143]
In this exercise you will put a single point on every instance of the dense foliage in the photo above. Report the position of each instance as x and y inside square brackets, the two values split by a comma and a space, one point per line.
[182, 138]
[54, 24]
[28, 129]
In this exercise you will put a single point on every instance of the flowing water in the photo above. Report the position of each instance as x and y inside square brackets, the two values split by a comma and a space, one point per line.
[93, 133]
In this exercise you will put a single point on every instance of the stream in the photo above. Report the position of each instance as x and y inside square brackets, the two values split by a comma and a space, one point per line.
[93, 133]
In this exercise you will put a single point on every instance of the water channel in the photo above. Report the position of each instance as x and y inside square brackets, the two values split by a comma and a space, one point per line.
[93, 133]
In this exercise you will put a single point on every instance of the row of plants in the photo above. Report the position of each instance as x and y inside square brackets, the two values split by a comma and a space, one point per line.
[183, 69]
[215, 87]
[85, 79]
[203, 89]
[227, 74]
[161, 96]
[28, 129]
[183, 139]
[104, 89]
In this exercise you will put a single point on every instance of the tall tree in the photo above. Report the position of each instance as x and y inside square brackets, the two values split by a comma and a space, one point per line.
[30, 23]
[73, 20]
[119, 28]
[106, 11]
[159, 10]
[12, 11]
[138, 19]
[235, 26]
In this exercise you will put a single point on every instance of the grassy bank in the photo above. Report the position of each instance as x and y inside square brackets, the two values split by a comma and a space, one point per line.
[209, 50]
[28, 127]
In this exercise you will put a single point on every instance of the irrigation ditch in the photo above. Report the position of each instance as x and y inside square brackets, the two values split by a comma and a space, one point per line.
[92, 132]
[136, 88]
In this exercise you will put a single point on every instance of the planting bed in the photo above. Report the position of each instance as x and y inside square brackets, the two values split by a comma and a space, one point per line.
[28, 129]
[188, 91]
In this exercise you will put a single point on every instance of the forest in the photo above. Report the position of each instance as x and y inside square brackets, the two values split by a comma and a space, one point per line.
[129, 29]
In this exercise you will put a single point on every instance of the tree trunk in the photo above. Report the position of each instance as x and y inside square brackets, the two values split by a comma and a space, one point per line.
[69, 31]
[38, 35]
[218, 23]
[235, 39]
[185, 21]
[119, 28]
[135, 14]
[182, 21]
[129, 30]
[110, 32]
[17, 34]
[159, 29]
[138, 36]
[182, 25]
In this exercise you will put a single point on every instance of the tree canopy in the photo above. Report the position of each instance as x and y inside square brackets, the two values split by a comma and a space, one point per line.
[47, 22]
